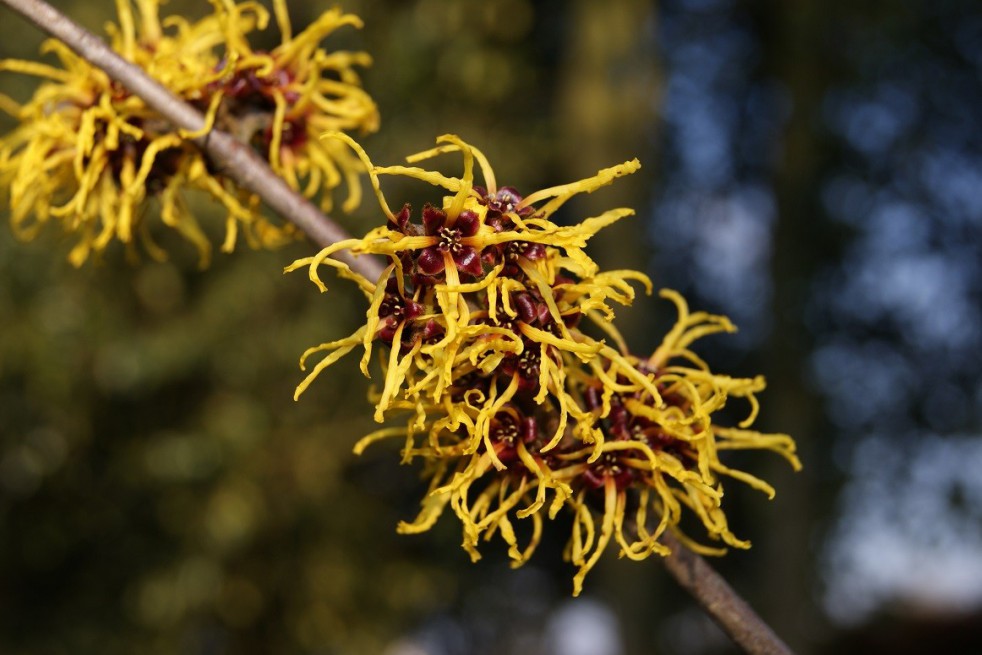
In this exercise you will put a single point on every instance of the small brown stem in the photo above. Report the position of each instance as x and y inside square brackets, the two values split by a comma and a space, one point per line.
[237, 160]
[721, 602]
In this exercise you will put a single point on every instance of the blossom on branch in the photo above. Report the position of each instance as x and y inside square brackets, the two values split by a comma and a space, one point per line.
[90, 155]
[514, 387]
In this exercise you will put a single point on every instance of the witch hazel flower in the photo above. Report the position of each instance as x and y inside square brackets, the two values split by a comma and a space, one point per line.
[476, 277]
[95, 159]
[488, 315]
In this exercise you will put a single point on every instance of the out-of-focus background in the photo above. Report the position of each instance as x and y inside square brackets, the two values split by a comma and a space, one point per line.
[813, 169]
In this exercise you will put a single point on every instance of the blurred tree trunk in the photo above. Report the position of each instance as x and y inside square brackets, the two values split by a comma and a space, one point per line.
[796, 39]
[609, 90]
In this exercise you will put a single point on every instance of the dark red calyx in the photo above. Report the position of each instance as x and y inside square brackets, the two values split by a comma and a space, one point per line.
[433, 219]
[530, 309]
[394, 310]
[527, 366]
[507, 429]
[400, 221]
[608, 466]
[450, 240]
[524, 249]
[430, 261]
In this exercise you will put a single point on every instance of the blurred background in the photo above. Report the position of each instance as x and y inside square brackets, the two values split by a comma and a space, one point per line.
[812, 169]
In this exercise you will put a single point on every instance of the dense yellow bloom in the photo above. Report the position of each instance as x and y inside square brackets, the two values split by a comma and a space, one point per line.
[490, 279]
[293, 94]
[89, 155]
[516, 410]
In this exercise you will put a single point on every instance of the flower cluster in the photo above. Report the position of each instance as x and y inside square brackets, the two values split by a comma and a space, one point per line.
[515, 388]
[89, 154]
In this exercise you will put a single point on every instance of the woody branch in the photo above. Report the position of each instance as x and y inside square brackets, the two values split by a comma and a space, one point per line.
[237, 160]
[248, 170]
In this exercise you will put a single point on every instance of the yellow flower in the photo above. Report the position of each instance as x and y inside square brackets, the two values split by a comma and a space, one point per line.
[485, 279]
[282, 100]
[89, 155]
[515, 410]
[660, 455]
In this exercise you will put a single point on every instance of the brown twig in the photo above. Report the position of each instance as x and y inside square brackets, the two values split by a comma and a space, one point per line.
[248, 170]
[721, 602]
[238, 161]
